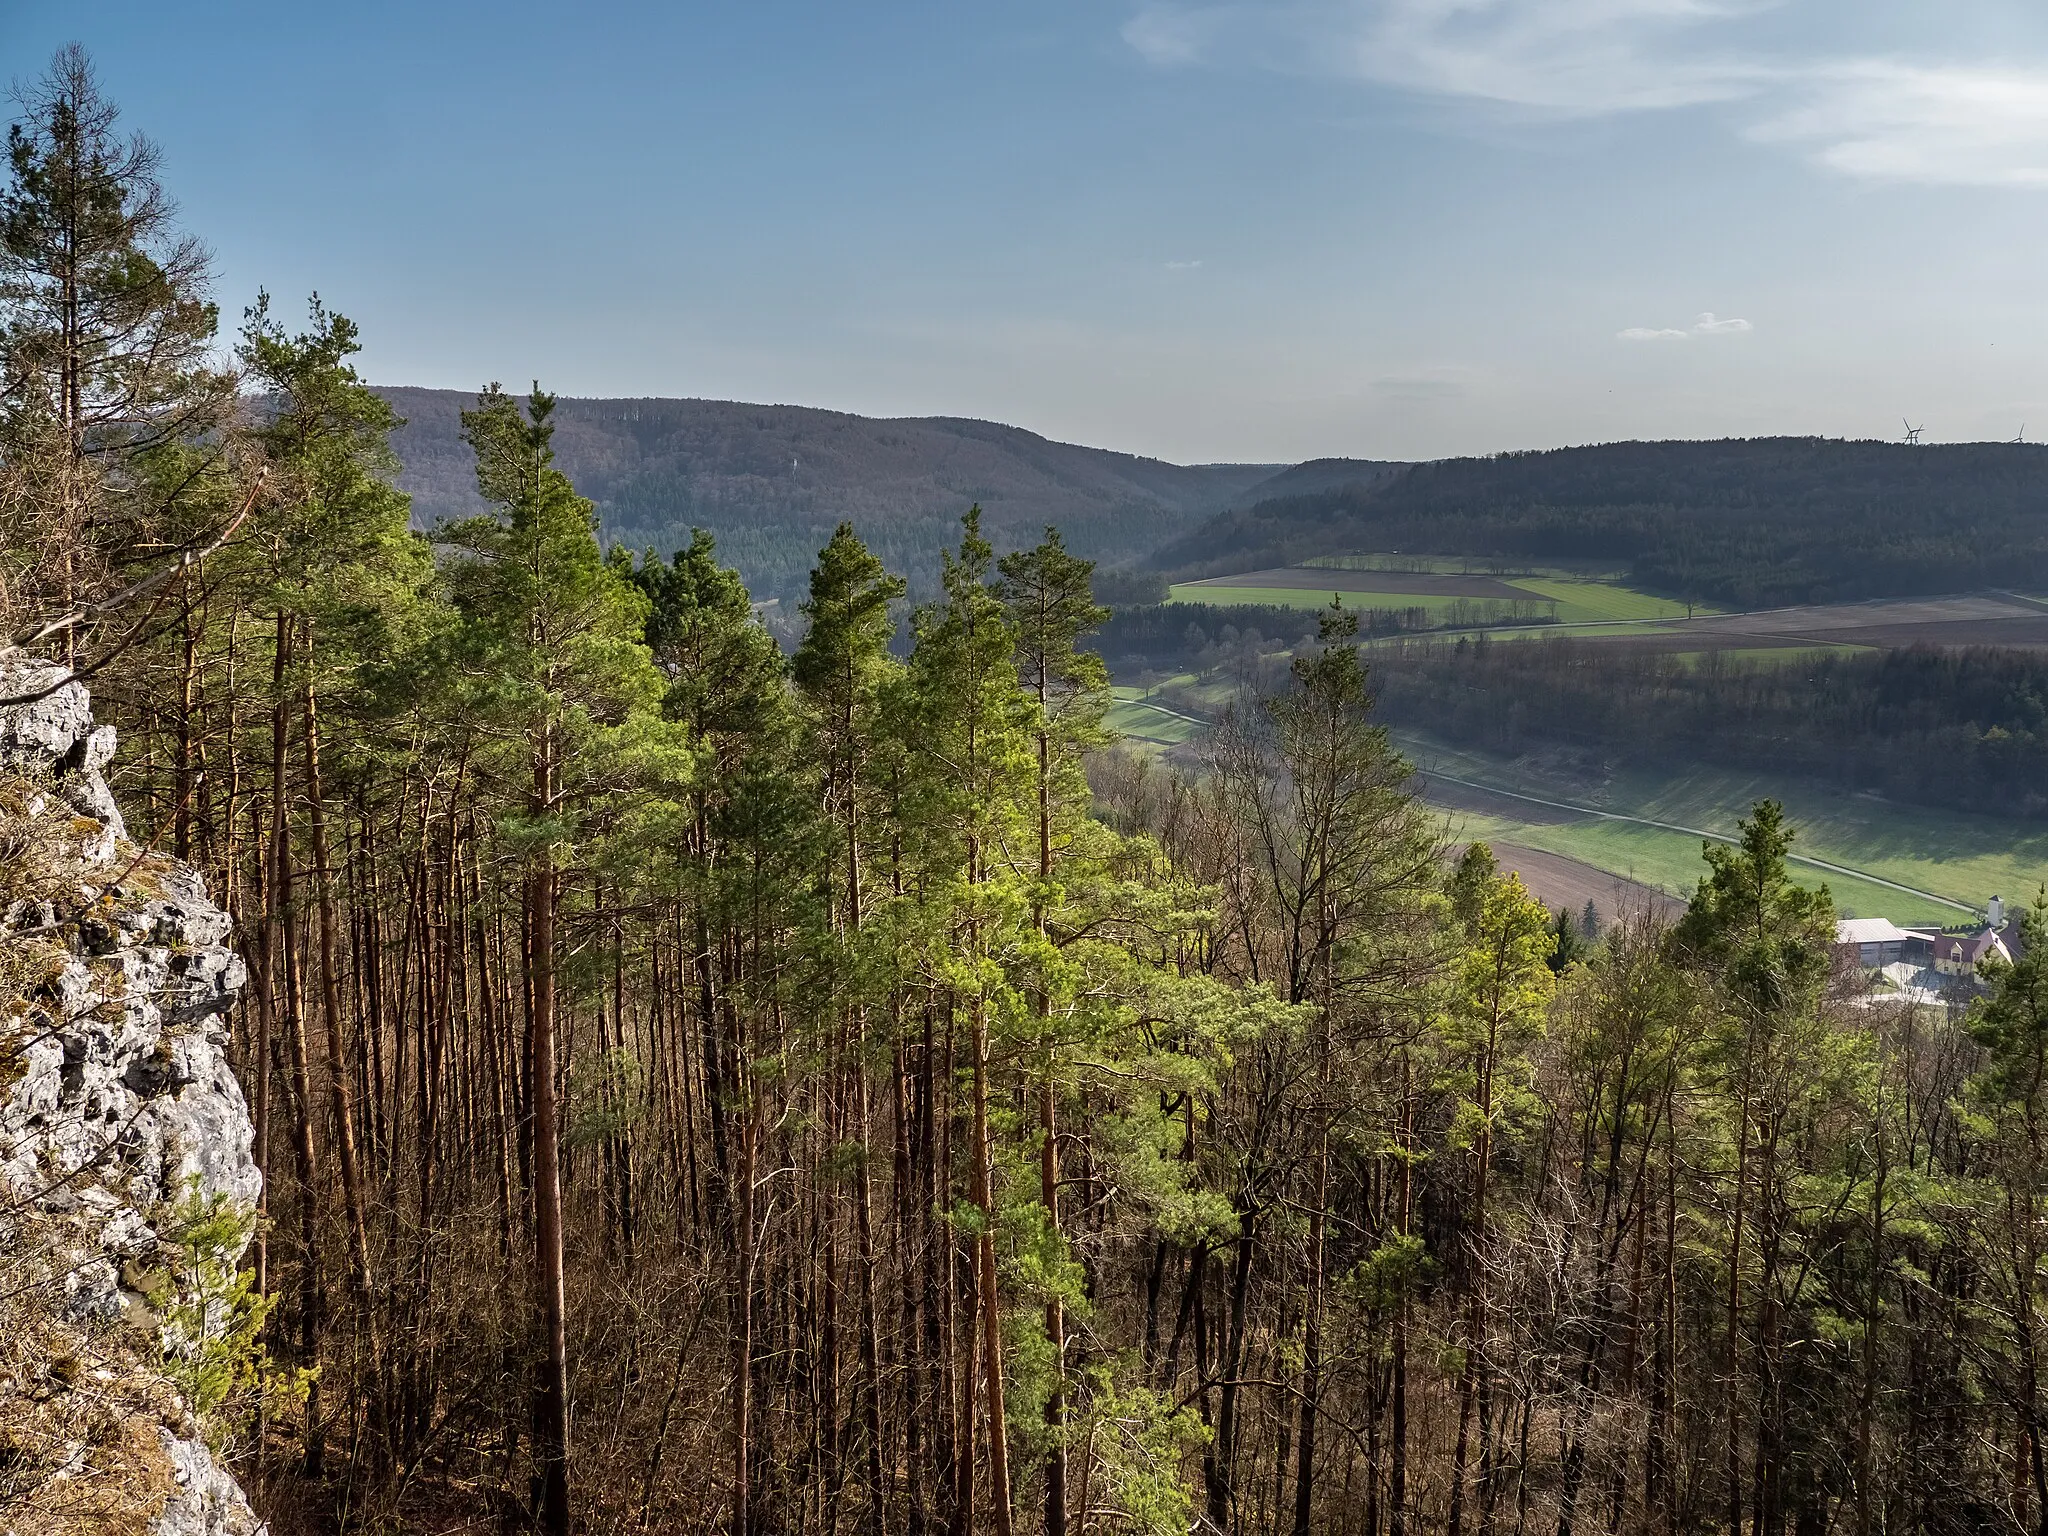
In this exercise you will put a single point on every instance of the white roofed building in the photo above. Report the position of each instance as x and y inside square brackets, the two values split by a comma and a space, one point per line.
[1878, 942]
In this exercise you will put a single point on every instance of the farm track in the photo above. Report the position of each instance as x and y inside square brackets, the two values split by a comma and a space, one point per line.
[1474, 796]
[1432, 775]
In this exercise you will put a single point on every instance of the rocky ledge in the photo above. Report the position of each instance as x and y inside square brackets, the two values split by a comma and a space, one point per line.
[121, 1129]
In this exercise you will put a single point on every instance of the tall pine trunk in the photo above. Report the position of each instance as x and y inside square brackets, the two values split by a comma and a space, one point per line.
[341, 1099]
[551, 1385]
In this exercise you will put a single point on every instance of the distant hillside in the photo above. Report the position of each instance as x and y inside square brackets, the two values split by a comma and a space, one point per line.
[1319, 475]
[1742, 522]
[771, 481]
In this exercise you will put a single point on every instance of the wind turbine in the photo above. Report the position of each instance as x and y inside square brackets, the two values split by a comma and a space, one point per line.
[1913, 433]
[2023, 433]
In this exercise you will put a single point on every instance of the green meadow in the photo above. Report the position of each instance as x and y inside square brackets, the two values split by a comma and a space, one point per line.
[1143, 722]
[1299, 597]
[1963, 856]
[1567, 598]
[1596, 602]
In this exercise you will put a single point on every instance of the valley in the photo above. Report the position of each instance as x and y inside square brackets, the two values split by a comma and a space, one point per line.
[599, 965]
[1581, 809]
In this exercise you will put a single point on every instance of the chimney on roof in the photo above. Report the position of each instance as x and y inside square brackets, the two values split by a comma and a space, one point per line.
[1995, 913]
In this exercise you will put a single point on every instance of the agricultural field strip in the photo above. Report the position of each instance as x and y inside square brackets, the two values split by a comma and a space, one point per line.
[1306, 596]
[1827, 865]
[1387, 584]
[1558, 879]
[1570, 598]
[2039, 604]
[1718, 837]
[1880, 623]
[1496, 608]
[1174, 714]
[1461, 565]
[1884, 621]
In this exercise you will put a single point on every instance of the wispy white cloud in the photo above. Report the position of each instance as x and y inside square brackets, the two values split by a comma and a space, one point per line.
[1168, 34]
[1708, 324]
[1972, 122]
[1884, 120]
[1576, 57]
[1183, 266]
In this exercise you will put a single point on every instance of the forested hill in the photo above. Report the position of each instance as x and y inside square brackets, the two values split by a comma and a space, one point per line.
[1322, 475]
[1745, 522]
[771, 481]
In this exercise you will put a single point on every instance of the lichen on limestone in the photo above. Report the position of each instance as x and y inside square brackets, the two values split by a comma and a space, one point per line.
[116, 1104]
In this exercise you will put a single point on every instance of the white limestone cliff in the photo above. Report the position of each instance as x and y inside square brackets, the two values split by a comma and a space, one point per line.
[118, 1110]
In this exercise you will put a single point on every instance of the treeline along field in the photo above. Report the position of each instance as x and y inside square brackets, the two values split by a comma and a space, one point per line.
[703, 1088]
[1199, 636]
[1960, 729]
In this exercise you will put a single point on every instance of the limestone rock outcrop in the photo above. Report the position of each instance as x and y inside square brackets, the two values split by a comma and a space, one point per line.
[119, 1118]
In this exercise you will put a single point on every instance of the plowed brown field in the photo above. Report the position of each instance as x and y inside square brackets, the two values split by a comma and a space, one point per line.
[1557, 881]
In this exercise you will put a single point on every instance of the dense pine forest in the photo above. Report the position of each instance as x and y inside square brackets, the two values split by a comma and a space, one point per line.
[707, 1087]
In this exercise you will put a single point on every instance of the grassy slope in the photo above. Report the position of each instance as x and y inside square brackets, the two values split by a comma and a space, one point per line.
[1663, 859]
[1147, 724]
[1297, 597]
[1964, 856]
[1672, 862]
[1957, 854]
[1578, 599]
[1951, 853]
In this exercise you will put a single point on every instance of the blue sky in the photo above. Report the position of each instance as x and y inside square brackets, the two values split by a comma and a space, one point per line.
[1261, 231]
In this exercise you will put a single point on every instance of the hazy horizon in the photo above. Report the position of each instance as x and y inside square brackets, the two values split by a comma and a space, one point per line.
[1203, 232]
[1112, 447]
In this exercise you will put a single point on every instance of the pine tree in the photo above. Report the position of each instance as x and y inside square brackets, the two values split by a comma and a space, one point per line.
[106, 330]
[1766, 942]
[1499, 997]
[1046, 591]
[842, 667]
[333, 563]
[553, 663]
[970, 721]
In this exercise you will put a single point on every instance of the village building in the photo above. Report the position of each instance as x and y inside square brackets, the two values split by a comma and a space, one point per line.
[1960, 954]
[1878, 942]
[1919, 958]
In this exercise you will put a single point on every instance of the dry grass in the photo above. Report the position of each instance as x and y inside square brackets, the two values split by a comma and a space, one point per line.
[80, 1406]
[39, 866]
